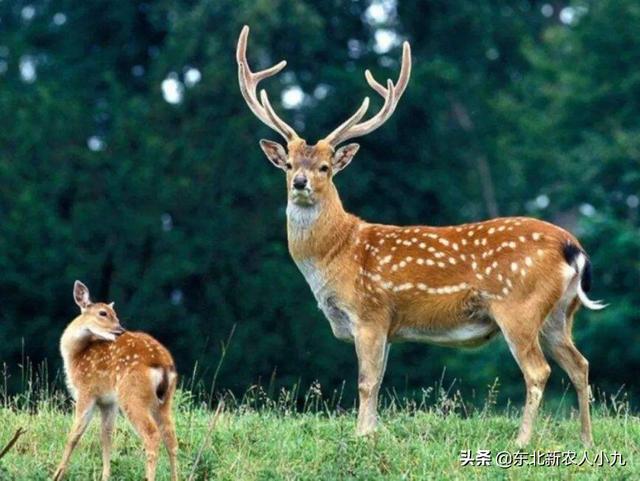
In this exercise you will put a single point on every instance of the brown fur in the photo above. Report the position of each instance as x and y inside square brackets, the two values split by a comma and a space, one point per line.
[454, 285]
[107, 368]
[502, 275]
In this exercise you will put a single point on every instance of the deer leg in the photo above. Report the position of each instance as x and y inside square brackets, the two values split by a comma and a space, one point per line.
[372, 349]
[521, 334]
[108, 414]
[557, 338]
[141, 408]
[83, 413]
[168, 431]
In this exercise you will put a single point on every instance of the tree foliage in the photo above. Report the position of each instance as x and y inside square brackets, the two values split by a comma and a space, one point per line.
[170, 209]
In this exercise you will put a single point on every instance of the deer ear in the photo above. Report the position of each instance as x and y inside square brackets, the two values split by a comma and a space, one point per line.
[275, 153]
[81, 295]
[343, 157]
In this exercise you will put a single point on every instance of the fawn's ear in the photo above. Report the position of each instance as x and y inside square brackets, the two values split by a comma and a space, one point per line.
[275, 152]
[81, 295]
[112, 305]
[343, 157]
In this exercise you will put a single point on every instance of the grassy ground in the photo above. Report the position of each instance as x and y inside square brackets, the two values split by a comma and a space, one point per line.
[270, 440]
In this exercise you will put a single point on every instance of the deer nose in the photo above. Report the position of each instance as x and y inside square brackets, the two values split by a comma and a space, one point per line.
[299, 182]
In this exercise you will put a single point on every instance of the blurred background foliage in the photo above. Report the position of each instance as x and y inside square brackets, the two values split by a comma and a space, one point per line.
[129, 160]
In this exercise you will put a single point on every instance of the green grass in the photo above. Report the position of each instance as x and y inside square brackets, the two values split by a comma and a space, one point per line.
[261, 439]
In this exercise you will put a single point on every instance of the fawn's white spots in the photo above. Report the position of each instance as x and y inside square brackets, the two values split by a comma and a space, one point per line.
[528, 261]
[403, 287]
[501, 228]
[443, 241]
[479, 276]
[536, 236]
[455, 246]
[474, 265]
[487, 271]
[422, 245]
[522, 239]
[420, 260]
[491, 230]
[452, 260]
[386, 260]
[514, 266]
[494, 264]
[505, 291]
[441, 264]
[430, 262]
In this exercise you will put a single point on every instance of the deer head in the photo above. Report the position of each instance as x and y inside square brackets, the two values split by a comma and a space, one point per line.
[97, 321]
[310, 168]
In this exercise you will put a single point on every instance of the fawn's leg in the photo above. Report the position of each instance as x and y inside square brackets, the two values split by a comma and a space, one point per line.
[168, 431]
[108, 414]
[372, 349]
[83, 412]
[140, 411]
[557, 337]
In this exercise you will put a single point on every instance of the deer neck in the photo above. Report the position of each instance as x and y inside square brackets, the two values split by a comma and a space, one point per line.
[315, 232]
[72, 343]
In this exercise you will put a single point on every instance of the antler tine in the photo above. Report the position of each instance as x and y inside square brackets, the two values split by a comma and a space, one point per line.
[249, 80]
[281, 126]
[350, 122]
[391, 94]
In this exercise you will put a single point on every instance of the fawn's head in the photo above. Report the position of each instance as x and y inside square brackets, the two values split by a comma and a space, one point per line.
[310, 168]
[97, 320]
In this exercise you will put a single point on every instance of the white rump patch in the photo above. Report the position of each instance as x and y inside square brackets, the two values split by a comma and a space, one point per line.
[574, 286]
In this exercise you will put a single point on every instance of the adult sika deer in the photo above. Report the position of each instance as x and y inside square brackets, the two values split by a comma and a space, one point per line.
[107, 367]
[455, 286]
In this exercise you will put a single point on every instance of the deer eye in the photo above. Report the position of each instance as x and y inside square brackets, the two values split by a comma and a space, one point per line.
[102, 313]
[288, 166]
[324, 168]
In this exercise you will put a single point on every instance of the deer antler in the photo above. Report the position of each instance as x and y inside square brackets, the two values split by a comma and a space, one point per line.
[248, 84]
[391, 94]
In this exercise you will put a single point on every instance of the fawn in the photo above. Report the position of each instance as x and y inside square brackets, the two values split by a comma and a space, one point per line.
[454, 285]
[108, 367]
